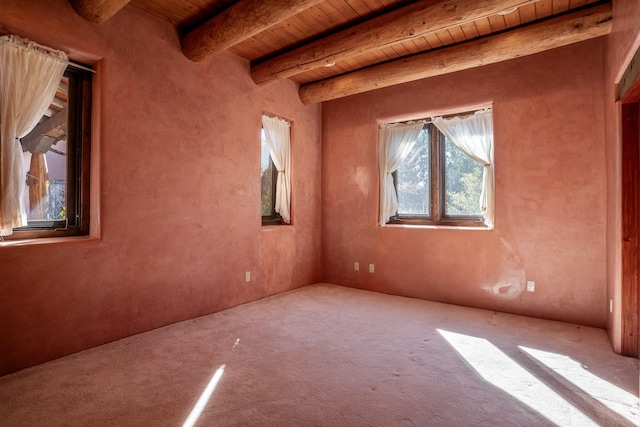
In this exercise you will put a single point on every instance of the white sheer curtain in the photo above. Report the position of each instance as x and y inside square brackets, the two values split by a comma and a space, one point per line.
[278, 134]
[473, 135]
[29, 77]
[395, 143]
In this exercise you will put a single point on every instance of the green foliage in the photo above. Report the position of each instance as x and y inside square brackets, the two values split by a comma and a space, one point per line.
[266, 187]
[463, 183]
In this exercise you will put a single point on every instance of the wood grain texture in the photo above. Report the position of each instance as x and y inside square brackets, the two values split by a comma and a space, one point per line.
[630, 231]
[535, 38]
[32, 141]
[97, 11]
[629, 89]
[237, 23]
[407, 23]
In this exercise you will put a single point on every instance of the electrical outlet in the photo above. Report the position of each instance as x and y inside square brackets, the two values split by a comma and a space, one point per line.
[371, 268]
[610, 305]
[531, 286]
[247, 276]
[356, 266]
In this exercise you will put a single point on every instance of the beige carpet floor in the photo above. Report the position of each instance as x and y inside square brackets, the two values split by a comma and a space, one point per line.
[325, 355]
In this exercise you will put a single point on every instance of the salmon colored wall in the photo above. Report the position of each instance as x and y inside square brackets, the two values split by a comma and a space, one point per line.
[550, 199]
[620, 46]
[177, 151]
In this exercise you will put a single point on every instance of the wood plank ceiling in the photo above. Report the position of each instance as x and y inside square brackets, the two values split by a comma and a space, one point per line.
[325, 44]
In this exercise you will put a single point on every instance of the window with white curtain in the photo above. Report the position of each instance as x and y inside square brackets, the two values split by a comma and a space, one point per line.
[443, 175]
[52, 193]
[275, 170]
[56, 163]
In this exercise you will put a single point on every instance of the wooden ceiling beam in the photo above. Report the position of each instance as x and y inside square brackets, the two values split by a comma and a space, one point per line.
[406, 23]
[30, 142]
[561, 31]
[237, 23]
[97, 11]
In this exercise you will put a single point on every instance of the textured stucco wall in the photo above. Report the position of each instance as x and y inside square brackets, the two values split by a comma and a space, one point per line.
[176, 156]
[550, 199]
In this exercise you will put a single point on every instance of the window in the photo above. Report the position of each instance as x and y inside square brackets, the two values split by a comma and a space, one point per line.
[437, 181]
[275, 170]
[56, 159]
[438, 171]
[268, 179]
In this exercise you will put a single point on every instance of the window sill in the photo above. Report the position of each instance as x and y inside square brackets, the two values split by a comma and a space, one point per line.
[440, 227]
[266, 221]
[282, 226]
[46, 241]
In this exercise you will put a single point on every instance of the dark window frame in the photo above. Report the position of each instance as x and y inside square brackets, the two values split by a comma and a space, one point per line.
[77, 191]
[437, 180]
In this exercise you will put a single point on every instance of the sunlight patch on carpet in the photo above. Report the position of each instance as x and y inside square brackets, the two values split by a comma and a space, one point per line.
[204, 398]
[497, 368]
[611, 396]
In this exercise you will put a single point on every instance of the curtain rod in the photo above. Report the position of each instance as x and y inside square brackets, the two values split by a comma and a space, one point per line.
[445, 116]
[81, 67]
[73, 64]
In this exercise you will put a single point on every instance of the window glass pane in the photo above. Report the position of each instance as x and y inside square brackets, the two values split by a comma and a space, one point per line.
[463, 183]
[267, 175]
[412, 179]
[45, 162]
